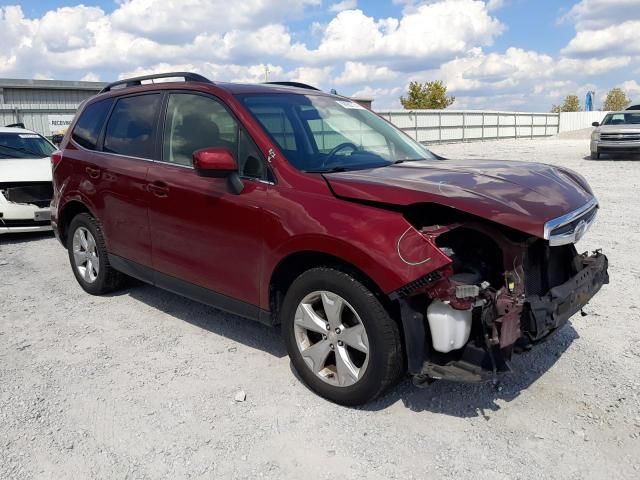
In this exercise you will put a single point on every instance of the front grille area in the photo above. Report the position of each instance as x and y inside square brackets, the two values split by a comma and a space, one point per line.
[38, 193]
[23, 223]
[570, 227]
[620, 137]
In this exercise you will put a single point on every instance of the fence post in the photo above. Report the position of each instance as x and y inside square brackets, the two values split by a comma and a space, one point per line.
[515, 124]
[532, 125]
[464, 126]
[482, 134]
[415, 125]
[439, 126]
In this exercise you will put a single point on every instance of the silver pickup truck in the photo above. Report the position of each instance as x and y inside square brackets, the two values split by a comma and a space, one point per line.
[619, 132]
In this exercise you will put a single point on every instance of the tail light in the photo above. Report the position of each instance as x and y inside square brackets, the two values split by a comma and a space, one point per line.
[56, 158]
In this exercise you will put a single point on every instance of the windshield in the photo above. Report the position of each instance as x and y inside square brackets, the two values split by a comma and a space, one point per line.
[622, 119]
[24, 145]
[319, 133]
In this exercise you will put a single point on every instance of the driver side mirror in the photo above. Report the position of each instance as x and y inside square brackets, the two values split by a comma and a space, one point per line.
[218, 163]
[595, 124]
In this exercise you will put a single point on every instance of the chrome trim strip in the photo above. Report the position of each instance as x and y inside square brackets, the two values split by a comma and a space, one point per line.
[568, 218]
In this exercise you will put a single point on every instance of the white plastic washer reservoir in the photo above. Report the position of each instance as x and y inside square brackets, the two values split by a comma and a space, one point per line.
[450, 328]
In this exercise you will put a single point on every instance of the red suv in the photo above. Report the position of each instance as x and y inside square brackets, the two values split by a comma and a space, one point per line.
[293, 207]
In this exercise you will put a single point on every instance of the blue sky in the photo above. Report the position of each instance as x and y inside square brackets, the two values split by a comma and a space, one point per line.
[497, 54]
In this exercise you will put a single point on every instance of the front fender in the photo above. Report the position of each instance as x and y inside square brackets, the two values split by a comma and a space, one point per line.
[378, 242]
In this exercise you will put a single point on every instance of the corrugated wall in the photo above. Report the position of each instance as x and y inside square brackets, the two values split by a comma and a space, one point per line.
[32, 106]
[578, 120]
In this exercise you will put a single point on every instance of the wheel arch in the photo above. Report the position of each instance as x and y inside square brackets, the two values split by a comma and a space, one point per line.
[70, 210]
[296, 263]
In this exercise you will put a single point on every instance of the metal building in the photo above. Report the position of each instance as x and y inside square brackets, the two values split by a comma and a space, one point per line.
[45, 106]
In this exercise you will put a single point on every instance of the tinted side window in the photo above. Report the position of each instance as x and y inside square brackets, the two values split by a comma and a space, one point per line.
[130, 129]
[89, 125]
[194, 122]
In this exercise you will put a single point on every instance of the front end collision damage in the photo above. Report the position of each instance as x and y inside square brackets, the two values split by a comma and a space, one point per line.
[517, 288]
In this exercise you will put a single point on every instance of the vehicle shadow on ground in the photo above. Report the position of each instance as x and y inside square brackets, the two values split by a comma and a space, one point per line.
[474, 400]
[14, 238]
[605, 157]
[233, 327]
[448, 398]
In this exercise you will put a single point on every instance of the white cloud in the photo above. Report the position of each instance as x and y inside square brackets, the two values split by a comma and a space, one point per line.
[621, 39]
[428, 33]
[495, 4]
[632, 88]
[599, 14]
[343, 5]
[179, 20]
[358, 72]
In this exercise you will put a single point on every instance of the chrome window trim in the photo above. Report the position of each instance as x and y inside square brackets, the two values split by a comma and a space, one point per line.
[102, 152]
[569, 237]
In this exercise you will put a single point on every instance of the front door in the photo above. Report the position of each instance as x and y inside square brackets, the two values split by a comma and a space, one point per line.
[201, 232]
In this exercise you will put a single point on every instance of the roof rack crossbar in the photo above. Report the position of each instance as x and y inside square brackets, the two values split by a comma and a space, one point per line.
[293, 84]
[132, 82]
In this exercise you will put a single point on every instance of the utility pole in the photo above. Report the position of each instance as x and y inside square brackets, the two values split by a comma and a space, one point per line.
[266, 73]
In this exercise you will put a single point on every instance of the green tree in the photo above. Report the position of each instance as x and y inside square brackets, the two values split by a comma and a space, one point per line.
[428, 95]
[616, 100]
[571, 104]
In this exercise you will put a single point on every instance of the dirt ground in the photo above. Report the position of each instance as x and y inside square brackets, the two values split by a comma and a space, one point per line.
[141, 384]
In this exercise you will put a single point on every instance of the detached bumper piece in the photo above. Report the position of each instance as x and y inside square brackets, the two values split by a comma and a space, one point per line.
[544, 314]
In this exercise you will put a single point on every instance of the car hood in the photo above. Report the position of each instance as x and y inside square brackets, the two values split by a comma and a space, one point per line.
[25, 170]
[523, 196]
[628, 128]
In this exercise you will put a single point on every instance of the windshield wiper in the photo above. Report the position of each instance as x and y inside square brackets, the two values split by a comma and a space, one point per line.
[328, 170]
[22, 150]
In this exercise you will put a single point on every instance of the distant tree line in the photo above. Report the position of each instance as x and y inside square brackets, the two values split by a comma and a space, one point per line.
[616, 100]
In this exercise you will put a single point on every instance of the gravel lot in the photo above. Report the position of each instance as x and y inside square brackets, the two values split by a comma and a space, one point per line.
[142, 384]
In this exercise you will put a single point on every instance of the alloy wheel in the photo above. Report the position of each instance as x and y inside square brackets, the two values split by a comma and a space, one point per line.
[331, 338]
[85, 255]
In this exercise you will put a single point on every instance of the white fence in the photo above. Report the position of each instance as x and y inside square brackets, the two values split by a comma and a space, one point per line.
[433, 126]
[579, 120]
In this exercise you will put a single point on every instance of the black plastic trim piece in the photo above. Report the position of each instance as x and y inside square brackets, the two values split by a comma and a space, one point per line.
[135, 81]
[293, 84]
[413, 318]
[189, 290]
[415, 285]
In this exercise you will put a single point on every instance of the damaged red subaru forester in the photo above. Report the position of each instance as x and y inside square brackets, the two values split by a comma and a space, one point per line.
[293, 207]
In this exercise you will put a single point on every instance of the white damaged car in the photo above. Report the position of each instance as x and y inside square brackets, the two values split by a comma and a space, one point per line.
[25, 181]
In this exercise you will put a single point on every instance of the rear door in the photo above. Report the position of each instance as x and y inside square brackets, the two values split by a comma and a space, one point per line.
[201, 232]
[119, 175]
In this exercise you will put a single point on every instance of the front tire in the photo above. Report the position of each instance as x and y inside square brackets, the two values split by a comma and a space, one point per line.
[341, 340]
[595, 155]
[88, 257]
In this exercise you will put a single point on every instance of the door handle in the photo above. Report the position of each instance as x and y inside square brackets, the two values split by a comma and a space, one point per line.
[159, 189]
[93, 172]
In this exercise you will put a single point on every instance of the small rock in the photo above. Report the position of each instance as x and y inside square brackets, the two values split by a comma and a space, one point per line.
[69, 446]
[539, 437]
[240, 396]
[231, 349]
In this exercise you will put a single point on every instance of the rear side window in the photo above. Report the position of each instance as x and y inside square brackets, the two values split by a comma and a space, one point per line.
[89, 125]
[131, 127]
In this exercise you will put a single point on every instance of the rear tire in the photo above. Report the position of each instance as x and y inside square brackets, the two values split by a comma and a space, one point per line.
[88, 257]
[350, 355]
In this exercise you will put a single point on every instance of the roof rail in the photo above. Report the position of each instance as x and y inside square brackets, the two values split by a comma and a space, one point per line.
[132, 82]
[293, 84]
